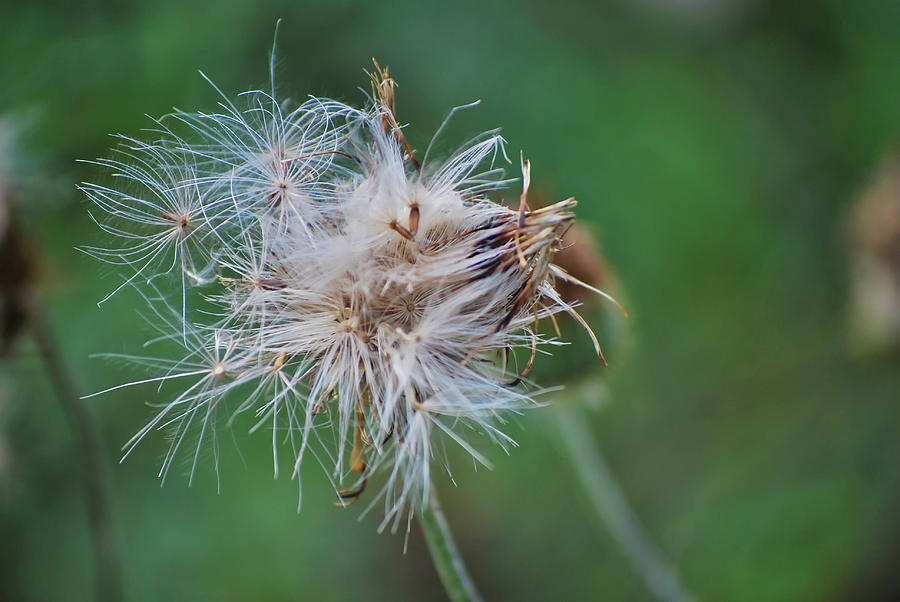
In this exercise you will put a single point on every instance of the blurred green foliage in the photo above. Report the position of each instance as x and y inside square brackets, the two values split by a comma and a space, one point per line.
[714, 151]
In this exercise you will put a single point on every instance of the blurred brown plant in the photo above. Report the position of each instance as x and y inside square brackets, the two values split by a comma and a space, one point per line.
[874, 238]
[16, 272]
[21, 310]
[580, 256]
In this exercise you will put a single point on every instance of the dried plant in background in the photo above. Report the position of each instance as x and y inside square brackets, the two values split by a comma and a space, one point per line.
[23, 311]
[580, 255]
[874, 233]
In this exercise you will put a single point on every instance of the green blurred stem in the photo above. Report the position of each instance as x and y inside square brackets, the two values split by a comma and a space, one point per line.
[612, 508]
[447, 561]
[107, 560]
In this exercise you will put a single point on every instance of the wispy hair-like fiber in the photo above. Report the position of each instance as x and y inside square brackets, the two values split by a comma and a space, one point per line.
[366, 305]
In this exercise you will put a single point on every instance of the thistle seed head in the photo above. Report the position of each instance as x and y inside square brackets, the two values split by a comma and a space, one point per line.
[367, 303]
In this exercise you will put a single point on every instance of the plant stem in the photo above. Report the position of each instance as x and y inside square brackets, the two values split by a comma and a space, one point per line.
[612, 508]
[446, 557]
[107, 560]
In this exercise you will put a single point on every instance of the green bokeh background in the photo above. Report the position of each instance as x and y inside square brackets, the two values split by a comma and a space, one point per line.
[715, 148]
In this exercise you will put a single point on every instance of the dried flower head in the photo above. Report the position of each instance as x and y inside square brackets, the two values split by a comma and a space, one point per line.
[366, 303]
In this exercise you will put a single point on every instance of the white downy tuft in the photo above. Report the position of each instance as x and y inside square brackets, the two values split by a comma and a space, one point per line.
[366, 304]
